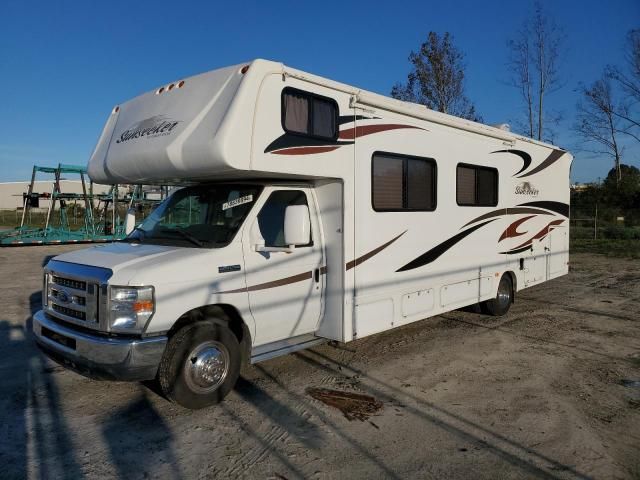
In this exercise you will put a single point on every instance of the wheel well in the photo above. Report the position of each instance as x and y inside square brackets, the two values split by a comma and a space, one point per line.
[223, 314]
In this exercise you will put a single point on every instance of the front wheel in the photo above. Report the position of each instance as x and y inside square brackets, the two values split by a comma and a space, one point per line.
[504, 298]
[201, 365]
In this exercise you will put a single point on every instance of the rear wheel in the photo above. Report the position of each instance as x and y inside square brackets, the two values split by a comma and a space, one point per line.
[200, 365]
[504, 298]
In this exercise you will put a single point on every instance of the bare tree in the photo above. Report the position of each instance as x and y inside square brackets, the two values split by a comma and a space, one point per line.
[520, 66]
[629, 81]
[597, 122]
[437, 78]
[534, 62]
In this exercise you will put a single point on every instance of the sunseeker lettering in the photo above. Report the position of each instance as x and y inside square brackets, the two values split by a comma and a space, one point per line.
[152, 127]
[526, 188]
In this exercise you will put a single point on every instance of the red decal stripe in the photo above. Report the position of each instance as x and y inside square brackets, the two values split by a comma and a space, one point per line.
[512, 230]
[305, 150]
[361, 131]
[541, 234]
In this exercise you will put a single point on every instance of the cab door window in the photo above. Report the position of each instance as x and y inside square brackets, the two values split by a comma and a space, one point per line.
[271, 217]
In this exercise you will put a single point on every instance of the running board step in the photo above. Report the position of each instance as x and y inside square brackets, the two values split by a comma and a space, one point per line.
[284, 347]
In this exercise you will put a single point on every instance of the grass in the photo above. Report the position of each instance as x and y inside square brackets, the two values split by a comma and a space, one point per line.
[611, 248]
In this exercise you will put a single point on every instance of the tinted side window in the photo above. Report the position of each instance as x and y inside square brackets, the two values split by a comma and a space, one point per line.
[420, 185]
[476, 186]
[271, 217]
[403, 183]
[296, 112]
[387, 182]
[308, 114]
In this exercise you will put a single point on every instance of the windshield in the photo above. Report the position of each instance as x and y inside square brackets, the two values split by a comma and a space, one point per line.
[201, 216]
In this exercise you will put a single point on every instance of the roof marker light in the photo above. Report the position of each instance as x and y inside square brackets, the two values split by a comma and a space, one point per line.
[160, 90]
[170, 87]
[116, 109]
[244, 69]
[181, 84]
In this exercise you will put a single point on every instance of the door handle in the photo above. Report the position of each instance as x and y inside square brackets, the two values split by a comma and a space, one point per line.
[316, 275]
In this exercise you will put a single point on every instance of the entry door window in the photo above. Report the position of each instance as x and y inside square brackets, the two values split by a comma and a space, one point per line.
[271, 217]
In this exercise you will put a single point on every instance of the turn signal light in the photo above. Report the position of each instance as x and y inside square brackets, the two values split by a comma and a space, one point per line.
[143, 306]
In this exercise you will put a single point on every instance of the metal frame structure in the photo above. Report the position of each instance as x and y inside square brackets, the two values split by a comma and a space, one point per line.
[108, 227]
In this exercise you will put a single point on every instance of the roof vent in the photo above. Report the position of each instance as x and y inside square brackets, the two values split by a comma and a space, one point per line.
[502, 126]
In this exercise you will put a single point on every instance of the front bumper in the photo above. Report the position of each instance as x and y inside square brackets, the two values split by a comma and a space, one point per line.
[103, 358]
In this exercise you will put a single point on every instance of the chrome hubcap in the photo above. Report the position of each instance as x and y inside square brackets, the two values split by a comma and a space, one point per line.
[206, 367]
[504, 293]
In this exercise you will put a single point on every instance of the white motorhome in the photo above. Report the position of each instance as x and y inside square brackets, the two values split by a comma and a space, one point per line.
[312, 211]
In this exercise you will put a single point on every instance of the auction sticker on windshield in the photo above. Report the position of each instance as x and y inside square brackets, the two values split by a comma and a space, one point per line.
[237, 201]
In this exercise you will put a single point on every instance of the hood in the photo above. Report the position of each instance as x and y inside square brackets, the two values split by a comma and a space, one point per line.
[116, 256]
[144, 264]
[140, 264]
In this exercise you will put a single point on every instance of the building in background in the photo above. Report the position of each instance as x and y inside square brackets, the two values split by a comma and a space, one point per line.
[11, 192]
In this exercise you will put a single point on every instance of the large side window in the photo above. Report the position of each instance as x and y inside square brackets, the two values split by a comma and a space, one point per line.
[476, 186]
[403, 183]
[271, 216]
[304, 113]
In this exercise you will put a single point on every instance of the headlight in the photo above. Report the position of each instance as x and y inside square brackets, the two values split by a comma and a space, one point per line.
[130, 308]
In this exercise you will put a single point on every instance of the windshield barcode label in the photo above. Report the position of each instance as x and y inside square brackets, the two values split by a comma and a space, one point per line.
[237, 201]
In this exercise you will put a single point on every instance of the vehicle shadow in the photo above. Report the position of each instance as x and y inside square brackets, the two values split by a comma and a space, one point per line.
[135, 427]
[35, 440]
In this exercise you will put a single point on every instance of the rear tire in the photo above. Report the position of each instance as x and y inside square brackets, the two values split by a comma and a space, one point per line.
[500, 305]
[200, 365]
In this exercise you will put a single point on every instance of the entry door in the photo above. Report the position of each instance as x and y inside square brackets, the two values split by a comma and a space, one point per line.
[285, 289]
[558, 251]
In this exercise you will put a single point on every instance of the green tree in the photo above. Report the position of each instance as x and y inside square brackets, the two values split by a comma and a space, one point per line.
[436, 79]
[625, 192]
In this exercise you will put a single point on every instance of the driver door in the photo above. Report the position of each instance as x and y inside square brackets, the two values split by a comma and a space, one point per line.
[285, 289]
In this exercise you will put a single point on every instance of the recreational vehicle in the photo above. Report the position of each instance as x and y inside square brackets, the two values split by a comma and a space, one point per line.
[308, 210]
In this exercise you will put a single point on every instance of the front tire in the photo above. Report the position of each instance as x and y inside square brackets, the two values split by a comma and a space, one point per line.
[201, 365]
[500, 305]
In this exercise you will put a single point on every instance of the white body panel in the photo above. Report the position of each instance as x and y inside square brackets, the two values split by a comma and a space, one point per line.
[378, 270]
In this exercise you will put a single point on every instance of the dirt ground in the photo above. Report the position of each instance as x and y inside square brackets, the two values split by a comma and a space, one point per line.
[547, 391]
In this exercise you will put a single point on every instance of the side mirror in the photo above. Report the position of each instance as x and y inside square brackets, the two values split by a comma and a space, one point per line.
[297, 225]
[130, 222]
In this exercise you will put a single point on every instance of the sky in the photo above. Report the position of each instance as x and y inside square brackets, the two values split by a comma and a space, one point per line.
[65, 64]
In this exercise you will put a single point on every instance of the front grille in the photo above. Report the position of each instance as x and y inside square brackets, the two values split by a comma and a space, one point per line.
[69, 283]
[73, 300]
[69, 312]
[77, 299]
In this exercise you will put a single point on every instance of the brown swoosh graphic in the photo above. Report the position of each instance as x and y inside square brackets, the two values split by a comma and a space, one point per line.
[541, 234]
[361, 131]
[276, 283]
[512, 230]
[506, 211]
[307, 275]
[375, 251]
[551, 159]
